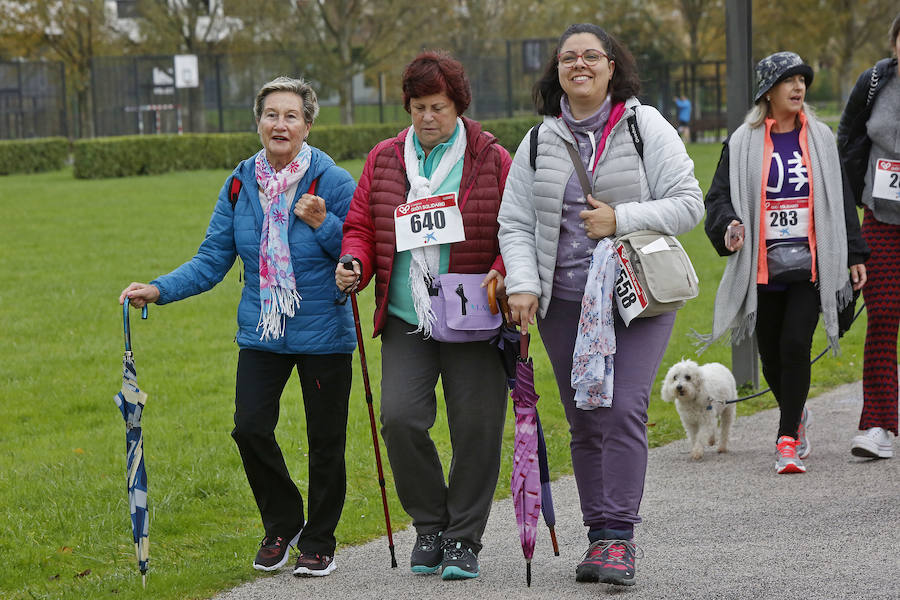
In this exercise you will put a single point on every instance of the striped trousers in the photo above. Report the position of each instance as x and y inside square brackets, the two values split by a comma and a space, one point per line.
[882, 296]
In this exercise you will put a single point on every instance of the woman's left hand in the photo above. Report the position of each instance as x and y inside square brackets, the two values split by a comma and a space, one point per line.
[858, 276]
[311, 209]
[501, 285]
[600, 221]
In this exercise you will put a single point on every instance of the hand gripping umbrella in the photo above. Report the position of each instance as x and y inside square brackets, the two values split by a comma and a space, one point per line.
[530, 495]
[130, 401]
[347, 263]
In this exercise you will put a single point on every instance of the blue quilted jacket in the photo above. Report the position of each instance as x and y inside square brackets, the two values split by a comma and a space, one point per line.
[320, 325]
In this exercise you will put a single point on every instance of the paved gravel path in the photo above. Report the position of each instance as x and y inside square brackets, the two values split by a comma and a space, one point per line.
[726, 527]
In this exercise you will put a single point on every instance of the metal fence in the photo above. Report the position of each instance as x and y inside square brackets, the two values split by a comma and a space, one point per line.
[139, 95]
[32, 99]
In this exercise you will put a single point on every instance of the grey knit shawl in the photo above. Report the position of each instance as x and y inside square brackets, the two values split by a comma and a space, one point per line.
[736, 301]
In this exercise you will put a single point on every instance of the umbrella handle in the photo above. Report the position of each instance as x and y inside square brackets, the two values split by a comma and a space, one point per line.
[523, 344]
[127, 323]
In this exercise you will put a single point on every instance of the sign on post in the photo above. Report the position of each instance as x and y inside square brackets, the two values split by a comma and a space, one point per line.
[187, 73]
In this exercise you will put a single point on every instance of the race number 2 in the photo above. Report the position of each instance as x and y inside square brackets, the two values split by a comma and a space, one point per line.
[887, 179]
[428, 222]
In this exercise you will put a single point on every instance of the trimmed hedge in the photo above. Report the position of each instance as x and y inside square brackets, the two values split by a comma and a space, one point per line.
[33, 156]
[151, 154]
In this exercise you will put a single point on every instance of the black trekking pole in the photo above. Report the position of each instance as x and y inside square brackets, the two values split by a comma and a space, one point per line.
[347, 263]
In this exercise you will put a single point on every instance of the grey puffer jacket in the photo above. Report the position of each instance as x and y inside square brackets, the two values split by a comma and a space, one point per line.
[658, 193]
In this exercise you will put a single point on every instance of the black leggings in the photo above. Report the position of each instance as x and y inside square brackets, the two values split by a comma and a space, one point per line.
[785, 323]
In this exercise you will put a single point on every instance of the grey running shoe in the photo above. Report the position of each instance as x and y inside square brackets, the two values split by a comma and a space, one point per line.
[786, 459]
[803, 447]
[874, 443]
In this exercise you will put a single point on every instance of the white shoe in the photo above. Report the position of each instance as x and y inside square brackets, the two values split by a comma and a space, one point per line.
[874, 443]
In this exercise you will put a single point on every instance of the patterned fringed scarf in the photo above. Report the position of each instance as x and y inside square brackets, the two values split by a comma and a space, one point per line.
[595, 344]
[278, 295]
[425, 263]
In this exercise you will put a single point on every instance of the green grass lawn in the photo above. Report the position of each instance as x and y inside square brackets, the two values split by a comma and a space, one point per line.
[67, 248]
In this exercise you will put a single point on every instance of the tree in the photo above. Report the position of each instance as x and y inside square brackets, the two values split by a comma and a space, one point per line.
[74, 32]
[344, 38]
[846, 35]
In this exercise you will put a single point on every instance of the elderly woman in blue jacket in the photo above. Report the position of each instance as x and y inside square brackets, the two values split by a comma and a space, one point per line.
[282, 212]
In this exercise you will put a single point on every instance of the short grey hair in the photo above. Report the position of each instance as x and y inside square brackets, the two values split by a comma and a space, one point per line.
[288, 84]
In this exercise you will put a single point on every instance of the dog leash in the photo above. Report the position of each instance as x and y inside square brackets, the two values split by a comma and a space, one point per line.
[812, 362]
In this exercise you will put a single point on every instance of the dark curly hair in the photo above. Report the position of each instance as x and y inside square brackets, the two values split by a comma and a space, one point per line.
[547, 92]
[436, 72]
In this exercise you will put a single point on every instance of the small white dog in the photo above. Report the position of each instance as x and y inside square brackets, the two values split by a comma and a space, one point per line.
[700, 393]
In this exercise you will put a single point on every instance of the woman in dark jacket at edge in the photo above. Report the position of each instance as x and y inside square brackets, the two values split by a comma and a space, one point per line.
[778, 182]
[869, 137]
[441, 153]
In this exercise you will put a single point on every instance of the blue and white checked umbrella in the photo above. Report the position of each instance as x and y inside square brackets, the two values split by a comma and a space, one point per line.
[130, 401]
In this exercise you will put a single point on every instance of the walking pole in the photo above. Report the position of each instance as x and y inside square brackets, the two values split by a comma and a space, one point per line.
[347, 263]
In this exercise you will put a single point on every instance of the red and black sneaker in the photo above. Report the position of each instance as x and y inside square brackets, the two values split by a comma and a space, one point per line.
[608, 561]
[313, 565]
[273, 553]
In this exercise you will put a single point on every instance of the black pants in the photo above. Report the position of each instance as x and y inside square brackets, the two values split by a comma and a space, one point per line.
[785, 323]
[325, 382]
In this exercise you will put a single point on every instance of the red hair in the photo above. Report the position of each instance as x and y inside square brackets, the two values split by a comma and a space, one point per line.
[436, 73]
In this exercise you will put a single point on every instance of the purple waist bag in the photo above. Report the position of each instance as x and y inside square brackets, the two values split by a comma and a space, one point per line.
[461, 309]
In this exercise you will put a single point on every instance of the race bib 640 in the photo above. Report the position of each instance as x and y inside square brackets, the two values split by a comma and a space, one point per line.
[428, 222]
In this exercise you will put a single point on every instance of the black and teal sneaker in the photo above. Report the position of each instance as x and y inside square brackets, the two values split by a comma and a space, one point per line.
[427, 554]
[460, 561]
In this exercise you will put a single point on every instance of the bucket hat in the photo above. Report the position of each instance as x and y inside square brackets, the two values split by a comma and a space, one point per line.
[776, 67]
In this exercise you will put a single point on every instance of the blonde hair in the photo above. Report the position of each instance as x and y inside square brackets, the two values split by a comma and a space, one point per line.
[288, 84]
[756, 116]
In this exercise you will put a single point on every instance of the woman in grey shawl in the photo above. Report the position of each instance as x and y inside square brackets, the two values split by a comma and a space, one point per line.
[777, 208]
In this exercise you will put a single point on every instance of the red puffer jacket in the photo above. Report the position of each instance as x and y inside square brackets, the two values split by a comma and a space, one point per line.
[369, 226]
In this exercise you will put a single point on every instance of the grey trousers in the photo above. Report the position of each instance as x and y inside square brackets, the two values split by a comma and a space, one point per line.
[474, 386]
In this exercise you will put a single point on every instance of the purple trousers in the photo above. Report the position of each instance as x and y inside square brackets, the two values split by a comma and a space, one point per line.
[609, 445]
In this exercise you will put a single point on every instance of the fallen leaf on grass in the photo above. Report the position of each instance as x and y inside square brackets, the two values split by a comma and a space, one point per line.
[65, 550]
[84, 573]
[78, 451]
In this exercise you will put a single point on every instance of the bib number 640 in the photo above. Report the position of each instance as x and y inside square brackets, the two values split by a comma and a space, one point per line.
[429, 220]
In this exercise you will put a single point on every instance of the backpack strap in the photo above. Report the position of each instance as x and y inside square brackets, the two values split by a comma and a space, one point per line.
[533, 146]
[636, 135]
[873, 83]
[234, 190]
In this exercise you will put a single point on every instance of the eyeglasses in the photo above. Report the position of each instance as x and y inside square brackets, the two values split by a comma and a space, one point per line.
[590, 57]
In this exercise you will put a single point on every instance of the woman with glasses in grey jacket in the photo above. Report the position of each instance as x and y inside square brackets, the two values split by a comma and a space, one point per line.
[548, 231]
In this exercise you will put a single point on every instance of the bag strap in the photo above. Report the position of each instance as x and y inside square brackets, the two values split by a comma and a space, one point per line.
[579, 168]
